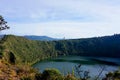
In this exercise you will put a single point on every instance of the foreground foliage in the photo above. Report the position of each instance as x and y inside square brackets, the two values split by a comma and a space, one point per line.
[24, 72]
[16, 72]
[113, 76]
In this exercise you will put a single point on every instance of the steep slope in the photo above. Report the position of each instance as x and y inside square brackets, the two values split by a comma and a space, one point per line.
[108, 46]
[18, 49]
[26, 51]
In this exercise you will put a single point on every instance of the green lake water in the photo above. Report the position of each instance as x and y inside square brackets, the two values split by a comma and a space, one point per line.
[67, 64]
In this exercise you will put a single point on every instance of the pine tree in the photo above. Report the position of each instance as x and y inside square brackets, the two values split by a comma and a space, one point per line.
[3, 24]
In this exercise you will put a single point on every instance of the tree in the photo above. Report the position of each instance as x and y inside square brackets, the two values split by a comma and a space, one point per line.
[3, 24]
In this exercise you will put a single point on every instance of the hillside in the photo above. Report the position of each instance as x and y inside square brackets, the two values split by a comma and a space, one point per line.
[24, 50]
[21, 50]
[107, 46]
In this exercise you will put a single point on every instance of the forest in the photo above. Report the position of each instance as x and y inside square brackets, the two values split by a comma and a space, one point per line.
[31, 51]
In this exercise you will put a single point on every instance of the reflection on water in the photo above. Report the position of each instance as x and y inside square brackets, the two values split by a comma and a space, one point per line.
[91, 64]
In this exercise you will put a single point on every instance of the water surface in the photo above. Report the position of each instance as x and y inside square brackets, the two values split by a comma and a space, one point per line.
[92, 64]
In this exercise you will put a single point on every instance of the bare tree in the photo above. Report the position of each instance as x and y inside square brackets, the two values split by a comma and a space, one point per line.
[101, 71]
[84, 75]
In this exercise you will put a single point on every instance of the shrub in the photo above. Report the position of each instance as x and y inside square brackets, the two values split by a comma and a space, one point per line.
[51, 74]
[38, 76]
[26, 78]
[113, 76]
[70, 77]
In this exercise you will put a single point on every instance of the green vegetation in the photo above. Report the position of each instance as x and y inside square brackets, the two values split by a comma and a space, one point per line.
[21, 50]
[26, 51]
[51, 74]
[16, 51]
[108, 46]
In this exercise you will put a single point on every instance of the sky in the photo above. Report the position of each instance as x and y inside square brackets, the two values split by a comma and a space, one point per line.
[61, 18]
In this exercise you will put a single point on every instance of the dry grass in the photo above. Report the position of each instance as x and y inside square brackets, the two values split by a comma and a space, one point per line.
[15, 72]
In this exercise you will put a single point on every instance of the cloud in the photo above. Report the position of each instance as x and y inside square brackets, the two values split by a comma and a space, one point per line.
[62, 18]
[55, 10]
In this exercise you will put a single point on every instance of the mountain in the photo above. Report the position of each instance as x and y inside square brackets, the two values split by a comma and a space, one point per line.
[21, 50]
[41, 38]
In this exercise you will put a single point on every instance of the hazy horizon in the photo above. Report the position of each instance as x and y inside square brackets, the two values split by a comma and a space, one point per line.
[61, 37]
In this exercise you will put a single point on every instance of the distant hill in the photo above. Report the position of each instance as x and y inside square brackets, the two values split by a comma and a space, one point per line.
[24, 50]
[41, 38]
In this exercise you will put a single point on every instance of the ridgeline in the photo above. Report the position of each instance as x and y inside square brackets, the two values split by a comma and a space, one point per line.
[17, 49]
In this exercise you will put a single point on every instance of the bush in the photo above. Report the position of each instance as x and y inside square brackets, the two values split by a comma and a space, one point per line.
[117, 74]
[70, 77]
[113, 76]
[9, 57]
[38, 76]
[51, 74]
[26, 78]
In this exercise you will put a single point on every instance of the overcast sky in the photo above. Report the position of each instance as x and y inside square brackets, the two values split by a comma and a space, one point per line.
[62, 18]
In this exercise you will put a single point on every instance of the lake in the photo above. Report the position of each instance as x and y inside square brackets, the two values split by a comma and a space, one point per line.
[66, 64]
